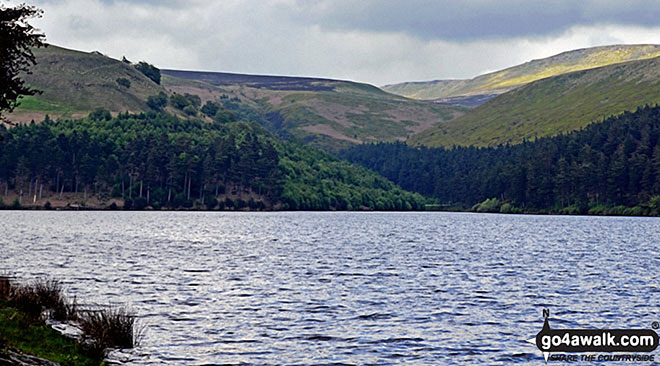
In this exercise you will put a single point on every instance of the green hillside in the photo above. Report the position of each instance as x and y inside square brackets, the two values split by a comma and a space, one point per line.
[326, 113]
[504, 80]
[550, 106]
[75, 83]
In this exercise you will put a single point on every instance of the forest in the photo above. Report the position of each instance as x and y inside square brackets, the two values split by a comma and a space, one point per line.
[157, 160]
[611, 167]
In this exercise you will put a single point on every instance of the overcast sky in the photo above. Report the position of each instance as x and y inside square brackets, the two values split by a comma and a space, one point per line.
[377, 42]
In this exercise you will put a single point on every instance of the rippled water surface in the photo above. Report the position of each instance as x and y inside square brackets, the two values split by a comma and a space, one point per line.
[344, 288]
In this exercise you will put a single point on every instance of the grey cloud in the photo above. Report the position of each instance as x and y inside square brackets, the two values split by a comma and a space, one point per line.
[364, 40]
[475, 19]
[177, 4]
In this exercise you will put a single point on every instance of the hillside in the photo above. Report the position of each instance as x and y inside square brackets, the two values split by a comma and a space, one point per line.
[607, 168]
[489, 85]
[75, 83]
[326, 113]
[551, 106]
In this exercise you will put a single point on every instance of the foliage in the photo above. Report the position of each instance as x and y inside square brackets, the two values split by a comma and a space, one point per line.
[100, 114]
[17, 37]
[179, 101]
[224, 116]
[654, 202]
[210, 108]
[150, 71]
[34, 298]
[190, 110]
[157, 102]
[489, 205]
[162, 153]
[317, 181]
[610, 164]
[508, 208]
[193, 99]
[109, 328]
[156, 160]
[124, 82]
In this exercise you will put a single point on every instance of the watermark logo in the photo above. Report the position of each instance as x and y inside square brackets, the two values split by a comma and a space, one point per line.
[633, 342]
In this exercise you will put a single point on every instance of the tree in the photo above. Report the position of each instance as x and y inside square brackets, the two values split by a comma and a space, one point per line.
[190, 110]
[150, 71]
[179, 101]
[210, 108]
[157, 102]
[16, 39]
[224, 116]
[100, 114]
[124, 82]
[194, 100]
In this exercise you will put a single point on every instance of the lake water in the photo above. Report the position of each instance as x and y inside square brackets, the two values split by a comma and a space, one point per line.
[304, 288]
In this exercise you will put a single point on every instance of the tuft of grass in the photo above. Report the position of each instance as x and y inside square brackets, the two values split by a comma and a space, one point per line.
[113, 327]
[35, 298]
[5, 288]
[25, 299]
[50, 295]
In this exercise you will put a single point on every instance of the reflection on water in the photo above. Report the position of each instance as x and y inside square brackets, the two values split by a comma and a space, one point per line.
[344, 288]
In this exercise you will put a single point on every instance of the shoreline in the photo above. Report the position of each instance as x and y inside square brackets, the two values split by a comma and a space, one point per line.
[466, 211]
[79, 201]
[29, 313]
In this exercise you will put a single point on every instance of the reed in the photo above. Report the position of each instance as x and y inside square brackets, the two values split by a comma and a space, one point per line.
[111, 327]
[5, 287]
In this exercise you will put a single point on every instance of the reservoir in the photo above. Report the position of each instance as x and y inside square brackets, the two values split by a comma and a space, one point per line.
[336, 288]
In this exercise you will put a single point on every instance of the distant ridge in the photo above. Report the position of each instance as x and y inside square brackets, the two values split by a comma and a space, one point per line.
[552, 105]
[499, 82]
[270, 81]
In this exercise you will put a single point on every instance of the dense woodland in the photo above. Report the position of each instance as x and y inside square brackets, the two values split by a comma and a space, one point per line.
[602, 169]
[158, 160]
[155, 160]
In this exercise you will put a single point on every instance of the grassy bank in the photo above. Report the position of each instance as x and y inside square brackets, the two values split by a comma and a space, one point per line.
[21, 333]
[24, 309]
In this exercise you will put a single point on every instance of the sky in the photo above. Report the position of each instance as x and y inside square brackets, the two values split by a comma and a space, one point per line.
[377, 42]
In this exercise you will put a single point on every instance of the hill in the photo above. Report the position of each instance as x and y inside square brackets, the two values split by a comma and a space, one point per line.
[323, 112]
[75, 83]
[551, 106]
[327, 113]
[489, 85]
